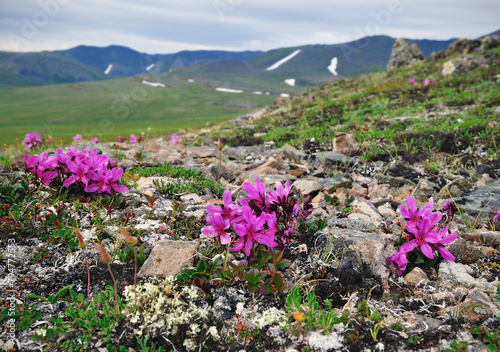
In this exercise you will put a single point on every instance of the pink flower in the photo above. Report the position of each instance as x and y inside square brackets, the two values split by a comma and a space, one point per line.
[79, 171]
[410, 211]
[497, 217]
[411, 81]
[120, 139]
[230, 210]
[424, 236]
[444, 238]
[31, 163]
[112, 177]
[100, 183]
[174, 138]
[32, 140]
[427, 82]
[94, 139]
[45, 174]
[218, 228]
[78, 137]
[133, 139]
[399, 261]
[252, 230]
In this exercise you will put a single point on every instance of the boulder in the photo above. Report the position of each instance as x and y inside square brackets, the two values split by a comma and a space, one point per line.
[404, 54]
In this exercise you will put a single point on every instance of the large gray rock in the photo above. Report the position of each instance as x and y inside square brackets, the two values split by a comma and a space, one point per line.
[484, 201]
[404, 54]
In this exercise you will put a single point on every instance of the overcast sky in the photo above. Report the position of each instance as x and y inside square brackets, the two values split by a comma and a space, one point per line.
[167, 26]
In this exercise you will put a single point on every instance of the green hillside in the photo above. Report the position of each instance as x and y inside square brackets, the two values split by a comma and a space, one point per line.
[113, 107]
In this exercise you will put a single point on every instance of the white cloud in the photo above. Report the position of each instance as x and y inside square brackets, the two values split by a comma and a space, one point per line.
[165, 26]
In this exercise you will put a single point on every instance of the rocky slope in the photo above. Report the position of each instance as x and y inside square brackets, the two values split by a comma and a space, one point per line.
[341, 252]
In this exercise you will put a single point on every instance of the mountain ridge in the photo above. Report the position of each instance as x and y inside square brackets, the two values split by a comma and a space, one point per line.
[89, 63]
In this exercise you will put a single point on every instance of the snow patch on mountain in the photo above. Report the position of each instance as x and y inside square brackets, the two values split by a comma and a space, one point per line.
[153, 84]
[150, 67]
[108, 70]
[333, 66]
[285, 95]
[282, 61]
[227, 90]
[290, 81]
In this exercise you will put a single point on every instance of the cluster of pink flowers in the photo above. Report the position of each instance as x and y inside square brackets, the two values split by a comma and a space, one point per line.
[259, 218]
[89, 170]
[423, 232]
[32, 140]
[426, 81]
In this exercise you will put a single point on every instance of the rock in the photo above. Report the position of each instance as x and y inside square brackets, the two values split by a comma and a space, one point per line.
[462, 64]
[489, 42]
[293, 154]
[484, 201]
[363, 207]
[416, 277]
[229, 170]
[364, 254]
[448, 68]
[127, 164]
[463, 46]
[437, 55]
[404, 54]
[457, 188]
[477, 307]
[328, 159]
[465, 252]
[307, 186]
[424, 190]
[491, 238]
[168, 257]
[344, 143]
[451, 272]
[482, 169]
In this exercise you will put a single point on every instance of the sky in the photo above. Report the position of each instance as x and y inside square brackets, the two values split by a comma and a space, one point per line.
[167, 26]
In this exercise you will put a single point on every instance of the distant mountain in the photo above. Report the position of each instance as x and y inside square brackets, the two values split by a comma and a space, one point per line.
[87, 63]
[495, 33]
[308, 67]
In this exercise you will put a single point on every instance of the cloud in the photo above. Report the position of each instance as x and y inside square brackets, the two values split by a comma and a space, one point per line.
[163, 26]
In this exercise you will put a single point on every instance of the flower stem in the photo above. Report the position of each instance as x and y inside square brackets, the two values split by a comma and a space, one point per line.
[114, 283]
[88, 274]
[135, 276]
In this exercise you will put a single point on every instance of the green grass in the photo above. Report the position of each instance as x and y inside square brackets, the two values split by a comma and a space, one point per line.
[110, 108]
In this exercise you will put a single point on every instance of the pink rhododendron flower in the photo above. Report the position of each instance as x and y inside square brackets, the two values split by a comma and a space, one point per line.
[174, 138]
[497, 217]
[411, 80]
[252, 231]
[79, 173]
[32, 140]
[120, 139]
[94, 139]
[133, 139]
[427, 82]
[230, 210]
[78, 137]
[31, 162]
[218, 228]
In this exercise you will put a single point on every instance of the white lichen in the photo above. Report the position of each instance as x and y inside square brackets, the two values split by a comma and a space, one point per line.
[270, 317]
[164, 307]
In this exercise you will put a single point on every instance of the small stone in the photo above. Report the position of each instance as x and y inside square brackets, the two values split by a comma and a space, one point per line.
[478, 306]
[307, 186]
[458, 273]
[168, 257]
[344, 143]
[417, 277]
[444, 298]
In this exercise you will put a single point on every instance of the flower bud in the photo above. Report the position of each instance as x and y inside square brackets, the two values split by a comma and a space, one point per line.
[124, 235]
[219, 144]
[106, 258]
[81, 242]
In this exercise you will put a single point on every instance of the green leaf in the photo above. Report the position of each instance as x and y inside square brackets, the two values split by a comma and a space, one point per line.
[266, 289]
